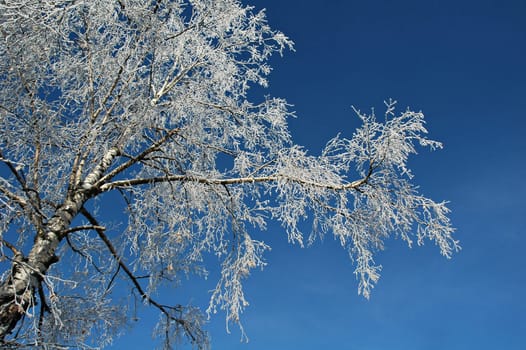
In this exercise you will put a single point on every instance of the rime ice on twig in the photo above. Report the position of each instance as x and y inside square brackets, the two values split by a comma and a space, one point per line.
[148, 100]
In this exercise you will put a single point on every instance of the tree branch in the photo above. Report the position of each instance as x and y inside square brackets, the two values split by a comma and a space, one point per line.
[101, 168]
[32, 195]
[134, 280]
[19, 200]
[231, 181]
[44, 307]
[84, 255]
[12, 168]
[84, 227]
[11, 247]
[154, 147]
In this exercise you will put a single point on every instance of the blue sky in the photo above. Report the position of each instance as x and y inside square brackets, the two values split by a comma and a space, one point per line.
[463, 63]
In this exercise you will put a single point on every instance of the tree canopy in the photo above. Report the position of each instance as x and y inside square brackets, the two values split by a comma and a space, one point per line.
[146, 104]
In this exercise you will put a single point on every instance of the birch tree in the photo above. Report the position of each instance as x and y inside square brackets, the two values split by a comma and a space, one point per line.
[145, 104]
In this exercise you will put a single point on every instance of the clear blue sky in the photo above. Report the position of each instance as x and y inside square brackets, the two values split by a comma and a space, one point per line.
[463, 62]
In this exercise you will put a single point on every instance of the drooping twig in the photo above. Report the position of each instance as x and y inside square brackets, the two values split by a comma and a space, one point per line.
[134, 280]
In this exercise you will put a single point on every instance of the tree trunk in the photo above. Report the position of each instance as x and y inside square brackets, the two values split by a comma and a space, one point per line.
[17, 292]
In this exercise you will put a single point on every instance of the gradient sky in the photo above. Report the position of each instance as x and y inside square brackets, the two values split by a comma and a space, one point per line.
[463, 62]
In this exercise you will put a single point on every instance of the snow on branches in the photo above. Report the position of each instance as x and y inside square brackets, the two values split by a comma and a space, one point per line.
[131, 150]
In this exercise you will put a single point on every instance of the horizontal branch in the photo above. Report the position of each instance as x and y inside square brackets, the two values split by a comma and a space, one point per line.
[230, 181]
[83, 228]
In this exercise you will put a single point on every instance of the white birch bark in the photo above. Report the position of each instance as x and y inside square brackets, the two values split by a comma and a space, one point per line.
[143, 106]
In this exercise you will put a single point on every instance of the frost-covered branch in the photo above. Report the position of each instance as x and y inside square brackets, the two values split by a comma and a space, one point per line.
[153, 99]
[231, 181]
[154, 147]
[17, 199]
[194, 332]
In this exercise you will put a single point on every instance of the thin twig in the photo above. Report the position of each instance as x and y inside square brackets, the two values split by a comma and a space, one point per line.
[163, 308]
